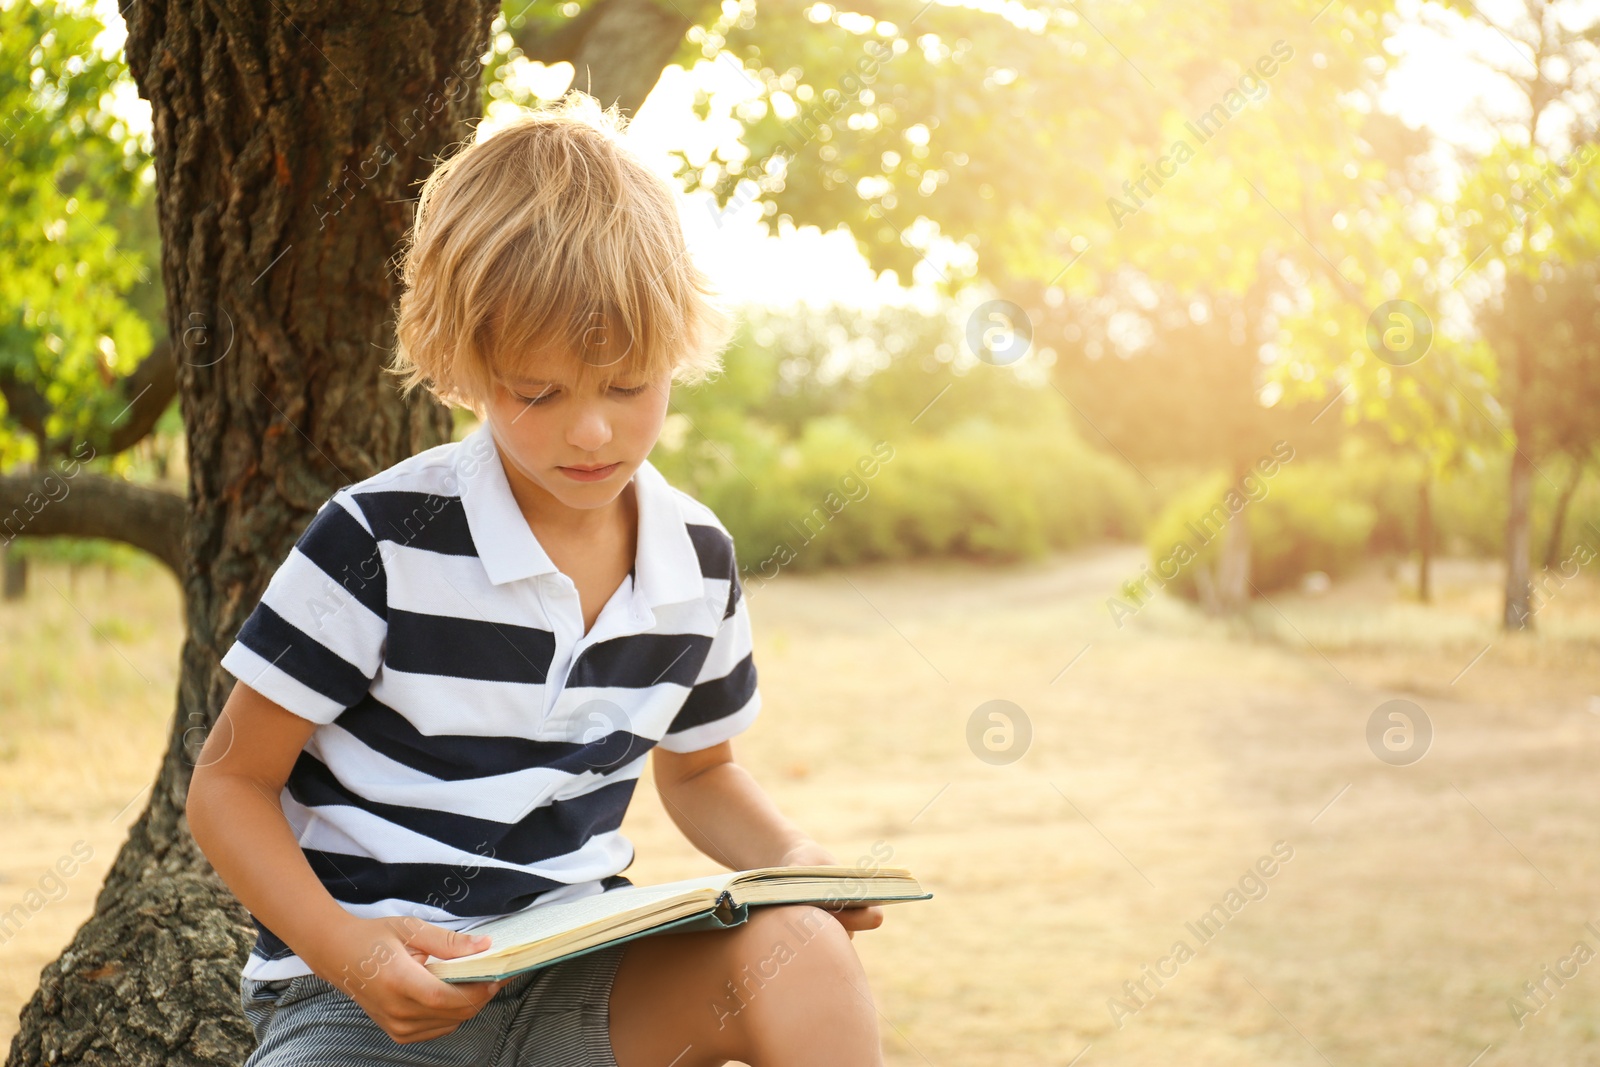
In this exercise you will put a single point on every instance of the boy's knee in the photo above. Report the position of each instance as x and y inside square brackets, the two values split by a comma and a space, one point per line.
[779, 937]
[787, 966]
[794, 920]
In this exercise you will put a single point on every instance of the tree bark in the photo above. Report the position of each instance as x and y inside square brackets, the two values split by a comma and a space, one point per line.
[288, 144]
[1558, 520]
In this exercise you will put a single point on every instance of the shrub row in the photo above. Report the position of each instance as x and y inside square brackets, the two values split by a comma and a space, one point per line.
[1325, 515]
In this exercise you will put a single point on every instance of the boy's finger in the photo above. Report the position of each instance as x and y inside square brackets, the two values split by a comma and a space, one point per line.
[444, 943]
[853, 919]
[479, 992]
[472, 996]
[437, 997]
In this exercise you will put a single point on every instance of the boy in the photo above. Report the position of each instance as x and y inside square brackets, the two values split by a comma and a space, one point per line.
[448, 691]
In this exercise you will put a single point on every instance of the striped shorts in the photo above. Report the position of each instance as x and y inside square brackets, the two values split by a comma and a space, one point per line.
[557, 1015]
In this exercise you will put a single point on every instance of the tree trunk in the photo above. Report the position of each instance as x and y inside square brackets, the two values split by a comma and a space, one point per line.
[1425, 538]
[1519, 535]
[1518, 613]
[287, 154]
[15, 568]
[1233, 564]
[1205, 585]
[1558, 521]
[1518, 610]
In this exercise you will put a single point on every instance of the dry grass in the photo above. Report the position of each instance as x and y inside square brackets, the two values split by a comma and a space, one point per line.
[1173, 753]
[88, 682]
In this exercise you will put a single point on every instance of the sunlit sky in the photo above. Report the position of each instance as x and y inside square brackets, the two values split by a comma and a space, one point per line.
[1439, 81]
[732, 244]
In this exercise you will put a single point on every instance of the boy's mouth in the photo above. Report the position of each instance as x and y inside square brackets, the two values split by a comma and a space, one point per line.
[589, 474]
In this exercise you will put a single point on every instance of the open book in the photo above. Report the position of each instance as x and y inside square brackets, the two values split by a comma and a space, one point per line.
[546, 934]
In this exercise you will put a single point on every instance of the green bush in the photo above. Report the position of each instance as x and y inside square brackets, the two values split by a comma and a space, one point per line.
[1301, 527]
[1305, 522]
[1172, 542]
[1469, 512]
[835, 495]
[1469, 505]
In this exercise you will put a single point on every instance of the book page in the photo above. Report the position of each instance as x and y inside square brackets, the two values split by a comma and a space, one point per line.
[811, 871]
[825, 886]
[541, 921]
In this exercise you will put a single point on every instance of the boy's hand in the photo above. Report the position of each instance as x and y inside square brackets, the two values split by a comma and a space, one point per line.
[852, 917]
[379, 963]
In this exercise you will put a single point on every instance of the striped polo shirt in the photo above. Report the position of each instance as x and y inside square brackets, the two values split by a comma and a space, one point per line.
[475, 750]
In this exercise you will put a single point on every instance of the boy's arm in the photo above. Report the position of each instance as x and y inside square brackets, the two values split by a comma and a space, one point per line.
[725, 813]
[237, 819]
[722, 810]
[715, 802]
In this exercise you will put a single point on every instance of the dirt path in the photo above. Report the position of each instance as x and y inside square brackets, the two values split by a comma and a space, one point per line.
[1405, 904]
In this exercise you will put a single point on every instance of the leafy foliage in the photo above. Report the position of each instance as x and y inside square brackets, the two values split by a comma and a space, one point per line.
[77, 236]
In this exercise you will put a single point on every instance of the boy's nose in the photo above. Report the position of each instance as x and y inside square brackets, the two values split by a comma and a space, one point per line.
[590, 431]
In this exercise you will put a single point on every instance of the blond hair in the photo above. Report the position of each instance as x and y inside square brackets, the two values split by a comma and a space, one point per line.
[551, 234]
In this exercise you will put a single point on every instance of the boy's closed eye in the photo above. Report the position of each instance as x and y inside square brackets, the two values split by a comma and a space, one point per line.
[548, 394]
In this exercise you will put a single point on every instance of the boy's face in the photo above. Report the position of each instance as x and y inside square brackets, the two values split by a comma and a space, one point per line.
[547, 431]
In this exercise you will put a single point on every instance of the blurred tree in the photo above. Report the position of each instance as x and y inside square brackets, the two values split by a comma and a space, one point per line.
[1197, 261]
[1563, 389]
[1168, 377]
[1531, 204]
[1369, 339]
[882, 368]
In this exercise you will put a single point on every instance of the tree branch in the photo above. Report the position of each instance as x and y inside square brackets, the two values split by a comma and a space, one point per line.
[618, 48]
[146, 391]
[149, 389]
[25, 404]
[68, 501]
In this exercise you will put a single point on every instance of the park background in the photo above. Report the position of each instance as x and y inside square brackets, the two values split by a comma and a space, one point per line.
[1158, 437]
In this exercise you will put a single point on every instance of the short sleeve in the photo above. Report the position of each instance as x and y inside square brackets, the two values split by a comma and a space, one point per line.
[315, 641]
[725, 699]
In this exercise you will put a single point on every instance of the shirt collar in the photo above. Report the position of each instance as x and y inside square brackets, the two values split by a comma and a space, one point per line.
[666, 565]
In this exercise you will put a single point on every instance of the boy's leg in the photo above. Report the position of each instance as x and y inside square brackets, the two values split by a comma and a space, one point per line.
[308, 1022]
[784, 989]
